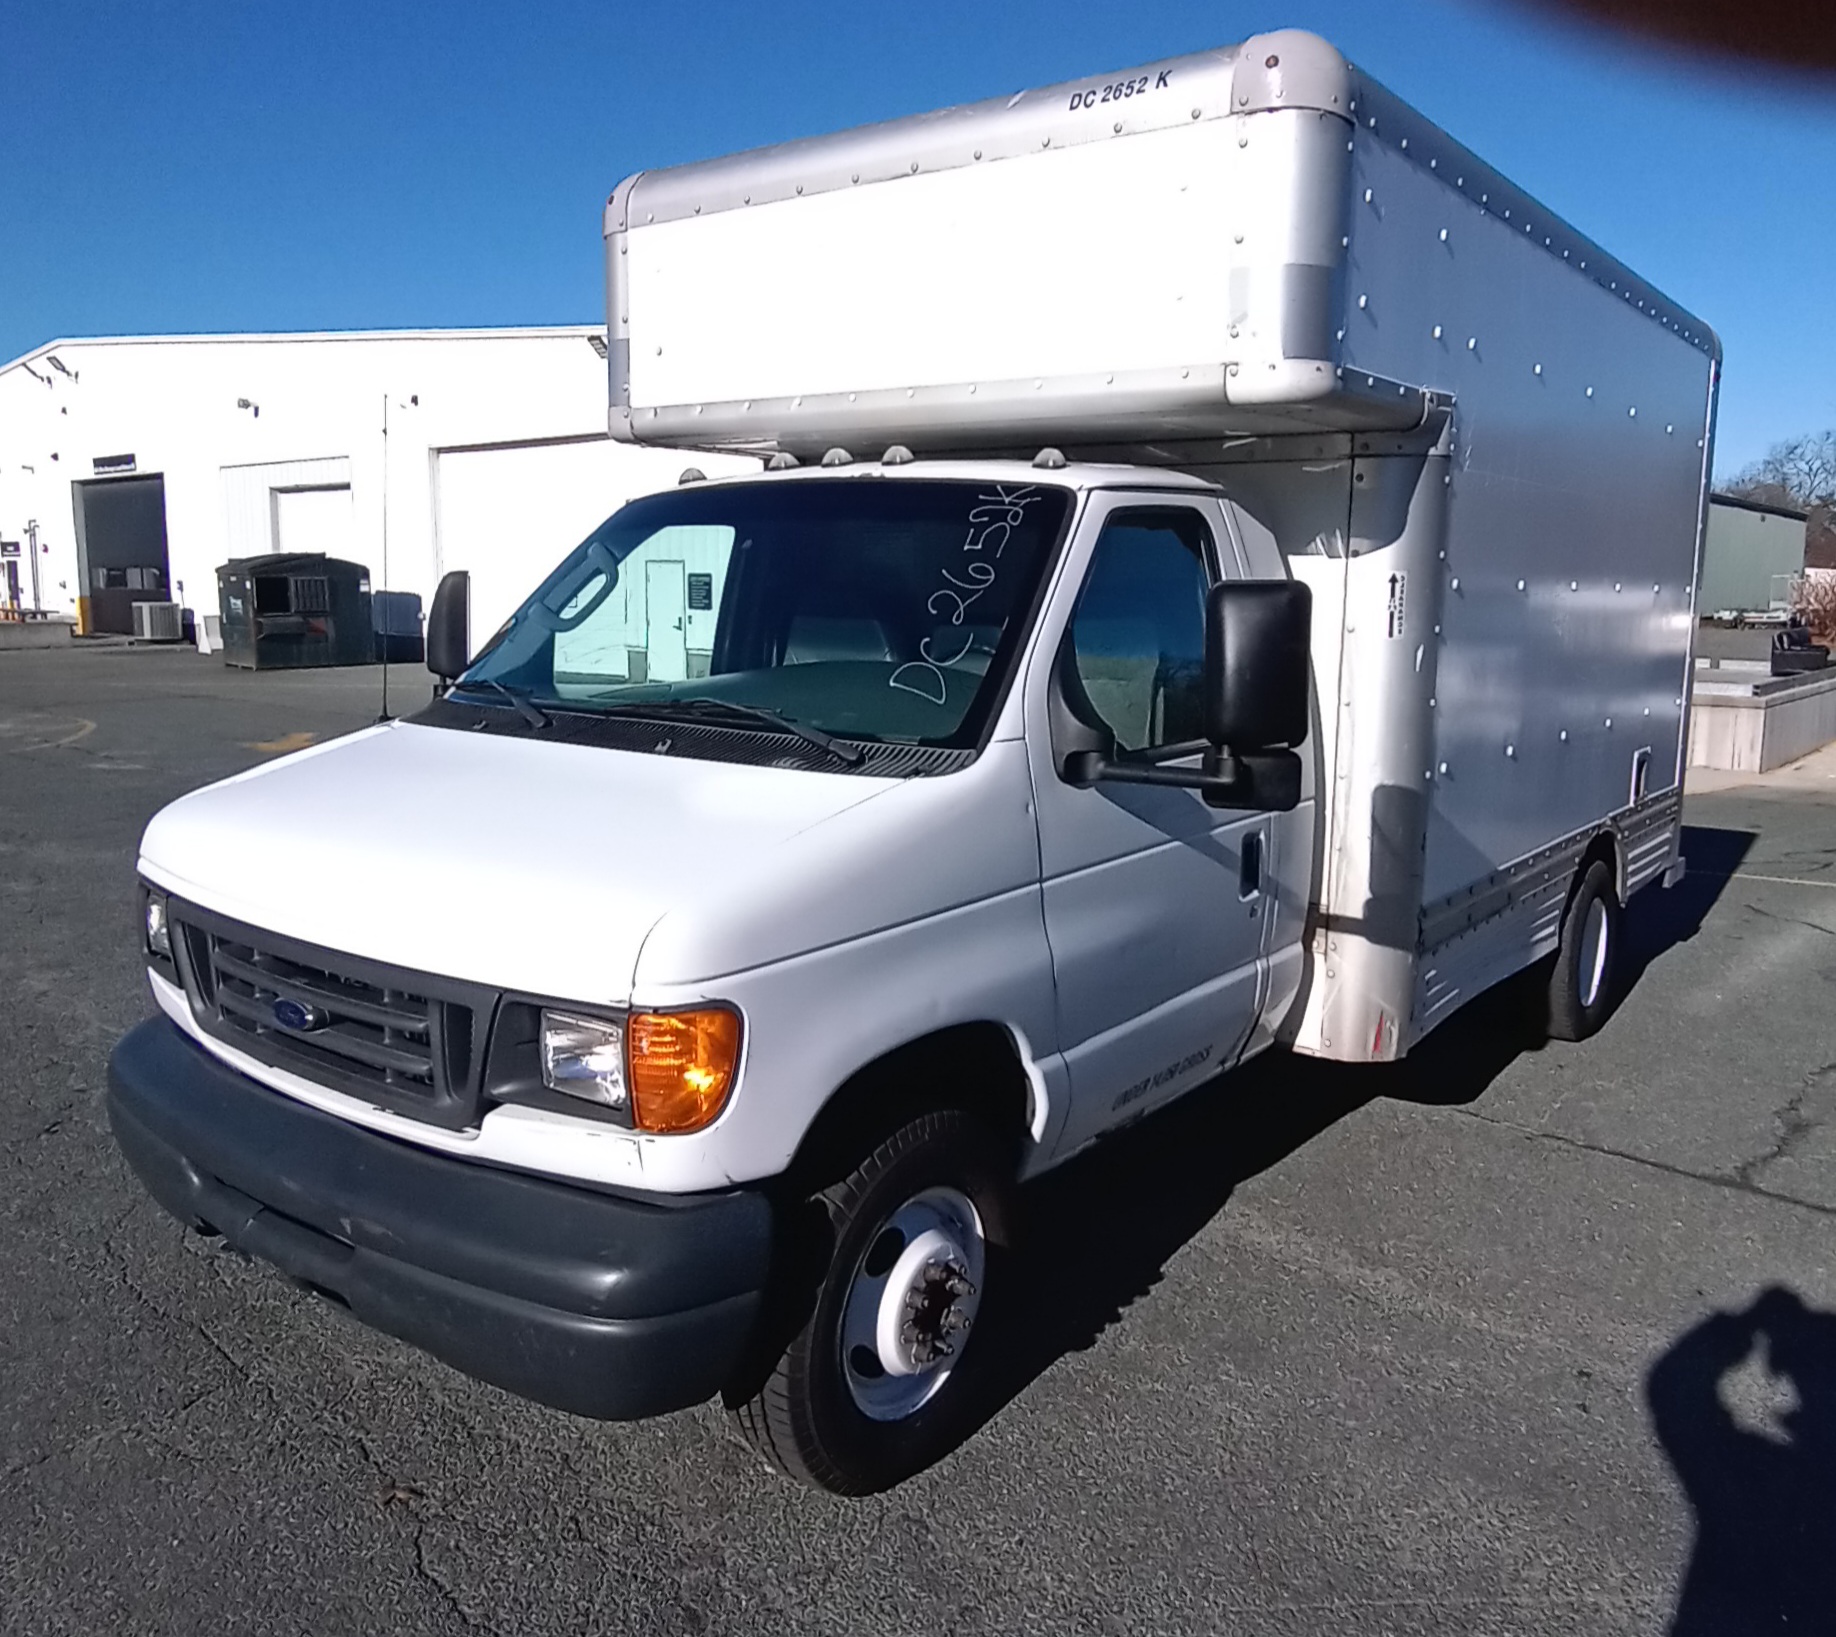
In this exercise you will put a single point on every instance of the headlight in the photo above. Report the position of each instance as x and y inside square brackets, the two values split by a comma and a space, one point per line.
[584, 1057]
[667, 1072]
[158, 934]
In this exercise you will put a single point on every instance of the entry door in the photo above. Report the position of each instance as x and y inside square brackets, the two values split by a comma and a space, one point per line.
[666, 620]
[121, 549]
[1154, 902]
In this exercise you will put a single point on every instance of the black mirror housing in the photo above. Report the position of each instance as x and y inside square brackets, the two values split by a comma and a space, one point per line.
[449, 626]
[1264, 781]
[1257, 664]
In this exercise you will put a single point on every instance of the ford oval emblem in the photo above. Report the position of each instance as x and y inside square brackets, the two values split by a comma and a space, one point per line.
[298, 1016]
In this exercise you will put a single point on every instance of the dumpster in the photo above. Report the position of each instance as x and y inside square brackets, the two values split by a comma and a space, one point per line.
[395, 616]
[293, 609]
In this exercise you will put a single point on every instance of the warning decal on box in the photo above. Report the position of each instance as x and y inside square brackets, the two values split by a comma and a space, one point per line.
[1399, 597]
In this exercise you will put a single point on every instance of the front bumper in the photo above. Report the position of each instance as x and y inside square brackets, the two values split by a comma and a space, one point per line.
[603, 1304]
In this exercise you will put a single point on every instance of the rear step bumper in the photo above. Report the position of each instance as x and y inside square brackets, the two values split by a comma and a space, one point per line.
[602, 1304]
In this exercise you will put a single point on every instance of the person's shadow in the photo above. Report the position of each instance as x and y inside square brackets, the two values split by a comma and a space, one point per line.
[1764, 1493]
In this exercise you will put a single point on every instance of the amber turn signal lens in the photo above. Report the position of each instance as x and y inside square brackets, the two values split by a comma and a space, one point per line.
[681, 1067]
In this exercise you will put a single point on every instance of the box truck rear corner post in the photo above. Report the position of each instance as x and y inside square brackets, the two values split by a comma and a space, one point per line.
[1263, 623]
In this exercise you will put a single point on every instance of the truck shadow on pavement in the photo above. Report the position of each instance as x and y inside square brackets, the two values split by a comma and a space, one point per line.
[1098, 1232]
[1660, 920]
[1758, 1466]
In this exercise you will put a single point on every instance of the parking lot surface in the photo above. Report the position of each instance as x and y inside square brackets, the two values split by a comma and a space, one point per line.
[1322, 1349]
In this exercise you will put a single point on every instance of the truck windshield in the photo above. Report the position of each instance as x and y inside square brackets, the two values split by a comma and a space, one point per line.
[871, 608]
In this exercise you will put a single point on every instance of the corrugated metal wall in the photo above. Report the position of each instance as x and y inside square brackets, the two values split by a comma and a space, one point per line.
[1742, 555]
[248, 506]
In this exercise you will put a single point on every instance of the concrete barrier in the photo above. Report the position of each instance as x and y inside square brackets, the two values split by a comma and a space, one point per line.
[35, 634]
[1744, 722]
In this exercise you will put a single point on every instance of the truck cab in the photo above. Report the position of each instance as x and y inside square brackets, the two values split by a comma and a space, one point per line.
[939, 824]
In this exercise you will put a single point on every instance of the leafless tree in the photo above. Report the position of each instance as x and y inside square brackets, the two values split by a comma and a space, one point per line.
[1813, 599]
[1800, 472]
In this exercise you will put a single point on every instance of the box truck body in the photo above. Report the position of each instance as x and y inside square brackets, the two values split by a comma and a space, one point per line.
[1259, 266]
[1223, 579]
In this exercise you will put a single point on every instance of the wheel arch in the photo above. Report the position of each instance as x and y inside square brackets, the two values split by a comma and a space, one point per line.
[979, 1067]
[1608, 846]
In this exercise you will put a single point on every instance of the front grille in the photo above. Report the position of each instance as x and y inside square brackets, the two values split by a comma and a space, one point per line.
[386, 1034]
[402, 1040]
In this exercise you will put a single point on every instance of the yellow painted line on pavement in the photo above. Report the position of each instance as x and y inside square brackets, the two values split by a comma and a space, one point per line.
[285, 743]
[81, 731]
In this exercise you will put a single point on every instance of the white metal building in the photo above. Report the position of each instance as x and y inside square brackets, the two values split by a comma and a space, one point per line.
[131, 467]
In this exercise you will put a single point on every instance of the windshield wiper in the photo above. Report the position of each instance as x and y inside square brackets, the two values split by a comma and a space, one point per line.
[847, 755]
[519, 702]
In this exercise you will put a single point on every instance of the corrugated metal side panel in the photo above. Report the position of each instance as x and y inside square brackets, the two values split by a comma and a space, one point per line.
[1573, 512]
[248, 506]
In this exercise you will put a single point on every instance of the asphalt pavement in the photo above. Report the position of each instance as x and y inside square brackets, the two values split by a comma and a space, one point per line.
[1320, 1350]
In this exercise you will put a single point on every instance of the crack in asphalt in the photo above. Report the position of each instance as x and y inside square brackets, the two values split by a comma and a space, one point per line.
[1794, 1125]
[1735, 1183]
[17, 1468]
[346, 1432]
[425, 1570]
[1793, 920]
[50, 1128]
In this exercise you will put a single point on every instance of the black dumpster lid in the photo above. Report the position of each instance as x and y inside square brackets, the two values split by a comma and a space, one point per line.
[282, 562]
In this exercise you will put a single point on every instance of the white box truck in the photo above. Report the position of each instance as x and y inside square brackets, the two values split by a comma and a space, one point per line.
[1223, 580]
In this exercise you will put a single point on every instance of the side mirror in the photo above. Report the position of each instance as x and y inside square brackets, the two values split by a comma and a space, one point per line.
[449, 627]
[1257, 666]
[1257, 673]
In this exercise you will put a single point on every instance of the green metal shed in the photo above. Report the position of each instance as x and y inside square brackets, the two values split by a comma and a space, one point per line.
[1750, 556]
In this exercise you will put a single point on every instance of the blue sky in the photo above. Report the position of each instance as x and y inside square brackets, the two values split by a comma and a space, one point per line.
[178, 165]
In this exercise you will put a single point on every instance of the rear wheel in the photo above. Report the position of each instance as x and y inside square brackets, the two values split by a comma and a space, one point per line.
[878, 1380]
[1581, 987]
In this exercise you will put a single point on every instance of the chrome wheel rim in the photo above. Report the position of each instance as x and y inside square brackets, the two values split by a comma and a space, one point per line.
[1592, 969]
[912, 1301]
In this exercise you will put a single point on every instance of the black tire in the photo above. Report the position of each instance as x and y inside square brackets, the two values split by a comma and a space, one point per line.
[803, 1416]
[1582, 986]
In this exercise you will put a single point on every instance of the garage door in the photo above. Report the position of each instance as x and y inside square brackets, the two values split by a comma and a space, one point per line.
[508, 514]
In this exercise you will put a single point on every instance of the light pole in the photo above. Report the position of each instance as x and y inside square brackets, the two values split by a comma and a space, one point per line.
[412, 402]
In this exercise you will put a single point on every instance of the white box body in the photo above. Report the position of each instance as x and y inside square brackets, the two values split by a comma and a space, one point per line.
[1258, 265]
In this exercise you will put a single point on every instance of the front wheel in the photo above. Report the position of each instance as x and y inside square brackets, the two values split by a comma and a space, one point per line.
[877, 1382]
[1581, 987]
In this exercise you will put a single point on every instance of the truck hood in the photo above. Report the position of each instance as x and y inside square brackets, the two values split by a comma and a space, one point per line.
[517, 863]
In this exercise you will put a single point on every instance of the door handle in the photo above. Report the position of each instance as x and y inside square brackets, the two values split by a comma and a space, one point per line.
[1249, 867]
